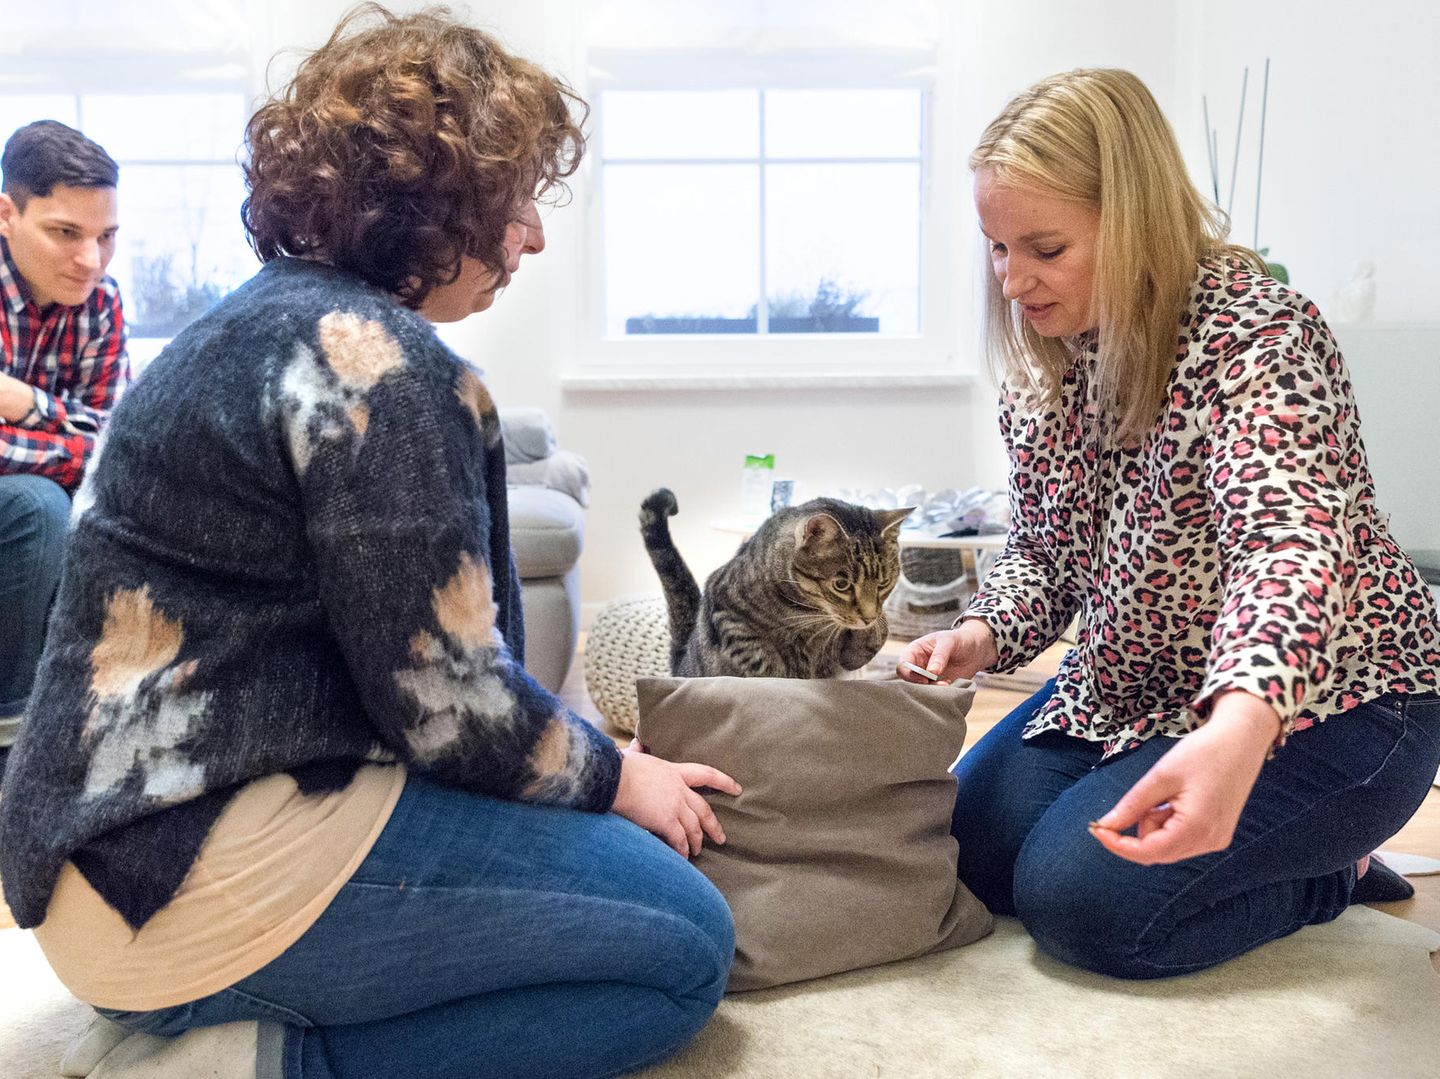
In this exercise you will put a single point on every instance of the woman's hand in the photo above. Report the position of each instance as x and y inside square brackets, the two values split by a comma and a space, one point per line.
[952, 653]
[1190, 800]
[659, 796]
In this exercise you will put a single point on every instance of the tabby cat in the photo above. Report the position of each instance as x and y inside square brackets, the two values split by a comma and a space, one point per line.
[802, 598]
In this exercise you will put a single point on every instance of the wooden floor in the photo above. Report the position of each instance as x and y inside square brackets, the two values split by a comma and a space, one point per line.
[1420, 836]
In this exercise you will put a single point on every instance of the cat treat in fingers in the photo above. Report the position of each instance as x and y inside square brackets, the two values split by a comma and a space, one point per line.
[921, 671]
[802, 598]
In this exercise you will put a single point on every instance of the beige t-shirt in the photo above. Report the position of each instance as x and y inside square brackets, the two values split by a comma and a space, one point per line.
[272, 863]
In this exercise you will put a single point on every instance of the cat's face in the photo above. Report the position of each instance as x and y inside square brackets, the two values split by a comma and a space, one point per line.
[848, 569]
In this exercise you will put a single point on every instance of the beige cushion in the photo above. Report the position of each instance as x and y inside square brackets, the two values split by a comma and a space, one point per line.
[839, 852]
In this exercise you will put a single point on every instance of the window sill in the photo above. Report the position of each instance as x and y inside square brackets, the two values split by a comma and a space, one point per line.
[839, 380]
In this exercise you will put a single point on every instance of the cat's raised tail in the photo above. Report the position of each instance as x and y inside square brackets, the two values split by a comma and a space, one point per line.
[682, 594]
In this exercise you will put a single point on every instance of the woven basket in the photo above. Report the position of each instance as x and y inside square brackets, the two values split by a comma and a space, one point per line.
[629, 639]
[934, 586]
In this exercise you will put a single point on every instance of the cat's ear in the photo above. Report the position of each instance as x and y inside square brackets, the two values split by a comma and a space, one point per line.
[816, 529]
[891, 520]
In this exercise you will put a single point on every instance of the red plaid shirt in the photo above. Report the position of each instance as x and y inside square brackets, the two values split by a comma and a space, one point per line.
[74, 359]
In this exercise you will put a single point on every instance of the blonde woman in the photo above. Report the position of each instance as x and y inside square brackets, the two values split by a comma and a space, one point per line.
[1250, 707]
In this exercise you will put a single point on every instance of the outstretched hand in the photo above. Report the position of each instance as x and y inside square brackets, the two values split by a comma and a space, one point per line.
[1190, 800]
[660, 796]
[951, 653]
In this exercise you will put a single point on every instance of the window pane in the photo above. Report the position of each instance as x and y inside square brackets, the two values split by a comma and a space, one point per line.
[174, 127]
[674, 124]
[181, 246]
[17, 110]
[843, 248]
[842, 123]
[681, 241]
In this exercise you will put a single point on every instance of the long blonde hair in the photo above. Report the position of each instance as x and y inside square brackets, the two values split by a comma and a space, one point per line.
[1097, 136]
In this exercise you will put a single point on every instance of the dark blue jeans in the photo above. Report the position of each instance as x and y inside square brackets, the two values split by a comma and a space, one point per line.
[1334, 793]
[490, 938]
[33, 515]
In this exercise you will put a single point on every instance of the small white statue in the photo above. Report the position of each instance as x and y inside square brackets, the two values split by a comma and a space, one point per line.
[1356, 301]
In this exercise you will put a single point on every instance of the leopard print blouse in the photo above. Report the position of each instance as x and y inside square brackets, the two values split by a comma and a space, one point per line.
[1237, 546]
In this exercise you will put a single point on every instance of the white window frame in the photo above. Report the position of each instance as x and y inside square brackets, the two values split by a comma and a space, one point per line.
[931, 357]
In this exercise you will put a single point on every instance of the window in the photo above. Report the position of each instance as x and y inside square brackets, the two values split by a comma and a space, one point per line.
[790, 211]
[763, 192]
[172, 117]
[180, 246]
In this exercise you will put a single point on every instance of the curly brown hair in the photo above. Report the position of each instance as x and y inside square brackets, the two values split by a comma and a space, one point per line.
[404, 143]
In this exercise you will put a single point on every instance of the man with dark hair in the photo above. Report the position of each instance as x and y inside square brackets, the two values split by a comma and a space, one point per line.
[62, 363]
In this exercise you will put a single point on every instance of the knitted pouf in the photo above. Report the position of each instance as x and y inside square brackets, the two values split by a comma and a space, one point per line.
[629, 639]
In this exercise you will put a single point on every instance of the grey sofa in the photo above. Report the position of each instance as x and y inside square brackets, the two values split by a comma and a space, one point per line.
[548, 490]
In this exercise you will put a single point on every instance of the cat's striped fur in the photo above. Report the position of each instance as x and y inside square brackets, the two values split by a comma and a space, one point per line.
[802, 598]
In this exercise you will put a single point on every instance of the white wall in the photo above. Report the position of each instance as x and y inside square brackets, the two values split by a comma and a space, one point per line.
[694, 441]
[1395, 371]
[1351, 152]
[1352, 138]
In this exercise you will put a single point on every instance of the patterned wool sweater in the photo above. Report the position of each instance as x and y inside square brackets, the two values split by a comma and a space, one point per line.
[292, 554]
[1236, 546]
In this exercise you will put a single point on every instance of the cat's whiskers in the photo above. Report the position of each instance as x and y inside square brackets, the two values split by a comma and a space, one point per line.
[802, 621]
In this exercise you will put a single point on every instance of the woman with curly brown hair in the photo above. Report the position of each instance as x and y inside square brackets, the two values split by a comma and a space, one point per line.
[284, 766]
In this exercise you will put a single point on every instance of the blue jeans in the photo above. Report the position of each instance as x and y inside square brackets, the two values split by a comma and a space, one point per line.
[1334, 793]
[489, 938]
[34, 513]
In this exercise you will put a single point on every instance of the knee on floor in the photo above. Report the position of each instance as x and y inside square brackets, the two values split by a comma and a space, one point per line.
[1077, 915]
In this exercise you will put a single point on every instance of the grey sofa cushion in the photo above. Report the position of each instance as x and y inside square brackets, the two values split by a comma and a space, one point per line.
[527, 434]
[562, 471]
[547, 530]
